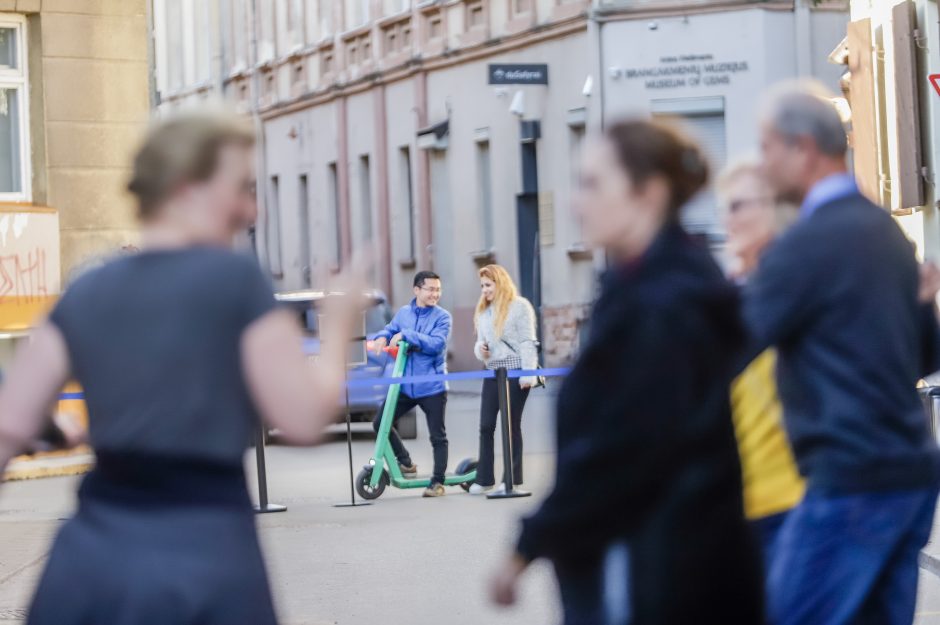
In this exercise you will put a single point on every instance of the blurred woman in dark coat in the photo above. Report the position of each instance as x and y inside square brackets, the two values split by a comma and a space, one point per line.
[645, 524]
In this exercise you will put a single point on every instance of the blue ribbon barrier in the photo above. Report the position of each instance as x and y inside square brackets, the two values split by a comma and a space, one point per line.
[420, 379]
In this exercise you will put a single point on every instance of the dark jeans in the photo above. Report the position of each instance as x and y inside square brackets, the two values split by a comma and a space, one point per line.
[489, 409]
[850, 559]
[433, 408]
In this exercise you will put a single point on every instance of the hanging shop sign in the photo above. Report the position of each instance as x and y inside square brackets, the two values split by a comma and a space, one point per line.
[518, 74]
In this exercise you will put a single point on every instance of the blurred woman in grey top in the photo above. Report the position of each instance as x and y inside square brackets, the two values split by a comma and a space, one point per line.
[506, 337]
[180, 350]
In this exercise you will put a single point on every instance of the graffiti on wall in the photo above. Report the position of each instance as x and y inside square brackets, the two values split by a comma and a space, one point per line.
[29, 265]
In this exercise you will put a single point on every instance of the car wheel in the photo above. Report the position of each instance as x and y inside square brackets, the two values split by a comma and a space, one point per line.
[408, 425]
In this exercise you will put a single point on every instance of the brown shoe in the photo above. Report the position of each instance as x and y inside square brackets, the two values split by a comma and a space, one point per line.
[434, 490]
[408, 470]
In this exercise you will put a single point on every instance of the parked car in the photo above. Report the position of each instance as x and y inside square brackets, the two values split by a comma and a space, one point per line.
[364, 401]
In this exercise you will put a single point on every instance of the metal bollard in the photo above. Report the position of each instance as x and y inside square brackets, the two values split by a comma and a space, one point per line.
[263, 504]
[502, 389]
[930, 396]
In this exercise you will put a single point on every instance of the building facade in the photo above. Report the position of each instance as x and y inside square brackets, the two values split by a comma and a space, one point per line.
[74, 97]
[446, 134]
[892, 84]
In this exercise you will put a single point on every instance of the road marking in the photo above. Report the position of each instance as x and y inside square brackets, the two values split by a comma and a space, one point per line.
[31, 563]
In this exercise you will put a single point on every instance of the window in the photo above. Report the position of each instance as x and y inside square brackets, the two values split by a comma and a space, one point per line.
[266, 49]
[475, 15]
[326, 19]
[14, 107]
[485, 197]
[336, 220]
[408, 200]
[365, 198]
[202, 40]
[357, 13]
[705, 119]
[435, 27]
[327, 64]
[174, 48]
[577, 147]
[238, 60]
[304, 230]
[393, 7]
[274, 229]
[521, 6]
[295, 23]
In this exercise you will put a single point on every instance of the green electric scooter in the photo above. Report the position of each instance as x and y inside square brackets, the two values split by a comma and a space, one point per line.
[383, 468]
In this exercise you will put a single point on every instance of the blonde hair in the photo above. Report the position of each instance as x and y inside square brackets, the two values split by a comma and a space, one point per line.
[506, 293]
[181, 149]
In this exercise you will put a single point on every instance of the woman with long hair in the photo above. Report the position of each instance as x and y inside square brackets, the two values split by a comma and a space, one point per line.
[506, 338]
[645, 524]
[181, 351]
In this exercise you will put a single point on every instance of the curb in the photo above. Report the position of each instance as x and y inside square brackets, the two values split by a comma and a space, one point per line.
[929, 563]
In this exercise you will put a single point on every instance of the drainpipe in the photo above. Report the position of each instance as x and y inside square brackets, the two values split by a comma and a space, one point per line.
[384, 203]
[151, 59]
[261, 169]
[803, 44]
[220, 15]
[342, 175]
[426, 230]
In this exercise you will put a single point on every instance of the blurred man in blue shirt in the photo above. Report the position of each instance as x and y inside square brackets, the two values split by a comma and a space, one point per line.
[838, 296]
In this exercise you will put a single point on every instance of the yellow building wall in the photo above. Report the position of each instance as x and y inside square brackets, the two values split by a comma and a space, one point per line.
[90, 102]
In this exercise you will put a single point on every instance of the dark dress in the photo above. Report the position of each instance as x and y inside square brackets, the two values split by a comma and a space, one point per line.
[164, 531]
[645, 523]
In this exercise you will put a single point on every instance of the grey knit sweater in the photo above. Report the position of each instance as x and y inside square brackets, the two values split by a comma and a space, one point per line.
[517, 348]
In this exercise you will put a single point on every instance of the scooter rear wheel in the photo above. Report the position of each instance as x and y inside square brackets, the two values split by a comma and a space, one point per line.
[364, 484]
[466, 465]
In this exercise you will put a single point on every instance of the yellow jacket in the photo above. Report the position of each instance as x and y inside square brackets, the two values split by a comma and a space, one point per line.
[772, 483]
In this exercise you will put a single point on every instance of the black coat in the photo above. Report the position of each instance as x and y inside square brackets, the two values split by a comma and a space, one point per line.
[646, 447]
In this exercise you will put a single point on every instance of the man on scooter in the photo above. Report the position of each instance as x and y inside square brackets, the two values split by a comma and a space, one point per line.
[425, 326]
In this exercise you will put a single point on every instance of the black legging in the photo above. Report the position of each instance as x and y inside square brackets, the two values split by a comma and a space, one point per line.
[489, 410]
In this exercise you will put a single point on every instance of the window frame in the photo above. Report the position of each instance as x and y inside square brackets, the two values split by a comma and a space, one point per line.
[18, 79]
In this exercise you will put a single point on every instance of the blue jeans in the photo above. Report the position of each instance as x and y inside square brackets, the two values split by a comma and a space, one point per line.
[850, 559]
[767, 530]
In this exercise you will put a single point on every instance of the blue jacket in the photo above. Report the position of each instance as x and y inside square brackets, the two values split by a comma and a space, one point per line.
[427, 330]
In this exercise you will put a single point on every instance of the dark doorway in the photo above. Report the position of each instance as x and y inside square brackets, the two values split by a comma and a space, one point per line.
[527, 221]
[530, 283]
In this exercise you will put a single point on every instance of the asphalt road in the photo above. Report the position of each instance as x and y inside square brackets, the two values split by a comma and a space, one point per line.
[402, 559]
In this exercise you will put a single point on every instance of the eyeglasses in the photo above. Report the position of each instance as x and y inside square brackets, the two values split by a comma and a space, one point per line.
[735, 206]
[431, 289]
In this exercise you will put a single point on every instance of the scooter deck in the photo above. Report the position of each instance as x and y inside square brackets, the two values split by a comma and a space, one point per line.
[423, 481]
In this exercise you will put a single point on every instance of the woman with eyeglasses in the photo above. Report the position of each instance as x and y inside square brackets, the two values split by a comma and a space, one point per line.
[506, 338]
[645, 524]
[753, 218]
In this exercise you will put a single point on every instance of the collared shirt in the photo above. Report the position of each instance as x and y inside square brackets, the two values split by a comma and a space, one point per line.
[827, 190]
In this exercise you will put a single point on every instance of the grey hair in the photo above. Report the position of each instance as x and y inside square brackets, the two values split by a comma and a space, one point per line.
[804, 109]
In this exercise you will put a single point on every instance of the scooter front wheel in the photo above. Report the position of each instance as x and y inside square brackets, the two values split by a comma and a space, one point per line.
[364, 484]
